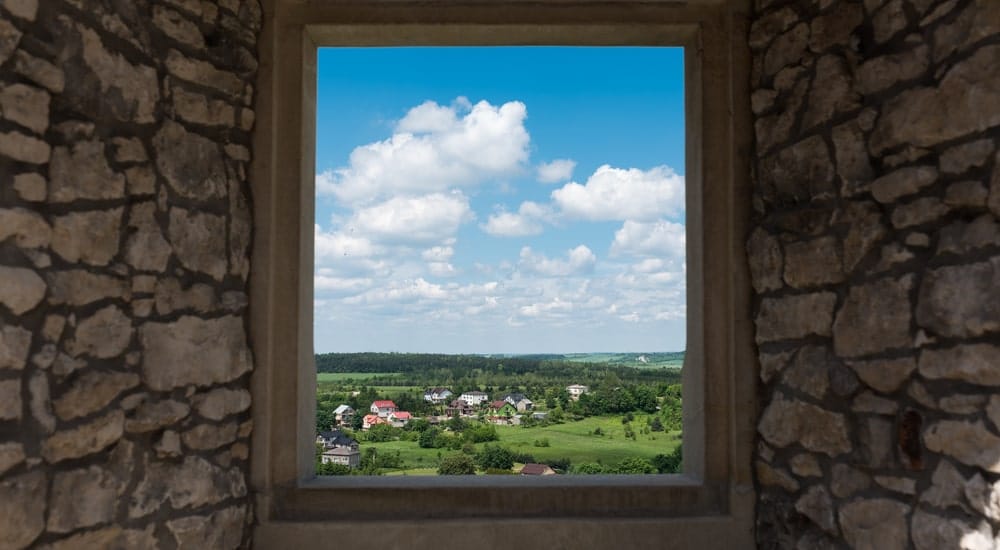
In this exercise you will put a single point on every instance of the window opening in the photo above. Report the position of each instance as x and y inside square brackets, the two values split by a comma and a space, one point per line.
[500, 265]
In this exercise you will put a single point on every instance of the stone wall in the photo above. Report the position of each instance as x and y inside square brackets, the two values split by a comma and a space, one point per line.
[124, 235]
[875, 257]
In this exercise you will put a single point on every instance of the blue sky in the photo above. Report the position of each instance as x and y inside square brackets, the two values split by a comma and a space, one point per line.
[500, 200]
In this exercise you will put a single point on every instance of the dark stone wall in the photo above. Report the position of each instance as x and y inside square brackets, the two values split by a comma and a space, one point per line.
[875, 257]
[124, 240]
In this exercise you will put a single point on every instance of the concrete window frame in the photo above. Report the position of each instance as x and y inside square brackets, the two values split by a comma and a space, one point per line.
[711, 503]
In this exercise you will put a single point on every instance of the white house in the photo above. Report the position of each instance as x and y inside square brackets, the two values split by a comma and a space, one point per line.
[399, 418]
[576, 390]
[437, 395]
[474, 398]
[342, 455]
[383, 407]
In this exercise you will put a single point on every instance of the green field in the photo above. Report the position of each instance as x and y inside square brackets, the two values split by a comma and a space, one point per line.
[353, 376]
[573, 440]
[652, 360]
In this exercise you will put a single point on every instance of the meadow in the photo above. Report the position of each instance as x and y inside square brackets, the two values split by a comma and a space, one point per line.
[574, 440]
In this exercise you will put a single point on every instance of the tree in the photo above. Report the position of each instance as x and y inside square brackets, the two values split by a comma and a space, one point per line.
[656, 425]
[481, 433]
[428, 438]
[495, 457]
[381, 432]
[456, 465]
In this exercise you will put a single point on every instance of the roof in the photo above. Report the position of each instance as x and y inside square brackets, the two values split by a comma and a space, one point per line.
[384, 404]
[438, 390]
[402, 415]
[474, 393]
[531, 469]
[336, 437]
[498, 404]
[342, 408]
[341, 451]
[369, 418]
[579, 386]
[513, 396]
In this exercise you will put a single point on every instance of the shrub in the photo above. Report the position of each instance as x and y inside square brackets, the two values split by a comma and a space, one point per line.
[634, 465]
[456, 465]
[669, 463]
[543, 442]
[588, 468]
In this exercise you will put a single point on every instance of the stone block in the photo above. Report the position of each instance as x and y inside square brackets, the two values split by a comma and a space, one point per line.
[874, 317]
[961, 301]
[786, 421]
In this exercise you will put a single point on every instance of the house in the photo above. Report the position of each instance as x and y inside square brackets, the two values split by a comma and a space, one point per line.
[437, 395]
[539, 415]
[372, 420]
[399, 418]
[537, 470]
[524, 405]
[474, 398]
[383, 407]
[503, 413]
[334, 439]
[513, 398]
[459, 407]
[342, 455]
[343, 415]
[576, 390]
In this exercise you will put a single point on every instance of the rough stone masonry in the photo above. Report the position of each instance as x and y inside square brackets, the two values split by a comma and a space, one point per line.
[875, 257]
[124, 238]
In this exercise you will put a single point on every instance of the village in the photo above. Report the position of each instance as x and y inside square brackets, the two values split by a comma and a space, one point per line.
[508, 409]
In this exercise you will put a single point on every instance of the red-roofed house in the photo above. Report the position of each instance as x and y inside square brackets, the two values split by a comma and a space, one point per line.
[372, 420]
[400, 418]
[383, 407]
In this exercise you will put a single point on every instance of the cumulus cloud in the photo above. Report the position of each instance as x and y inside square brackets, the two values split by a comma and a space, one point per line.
[434, 148]
[438, 254]
[659, 238]
[578, 261]
[556, 171]
[422, 219]
[623, 194]
[526, 221]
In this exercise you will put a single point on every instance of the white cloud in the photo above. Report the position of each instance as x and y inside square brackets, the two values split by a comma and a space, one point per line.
[556, 171]
[323, 282]
[428, 218]
[578, 260]
[623, 194]
[659, 238]
[441, 269]
[339, 244]
[400, 292]
[527, 221]
[428, 117]
[438, 254]
[433, 150]
[551, 308]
